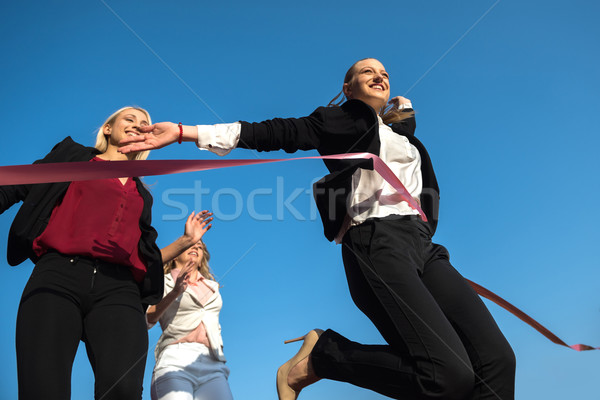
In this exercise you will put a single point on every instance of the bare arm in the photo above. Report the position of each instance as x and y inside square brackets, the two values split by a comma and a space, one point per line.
[157, 136]
[195, 227]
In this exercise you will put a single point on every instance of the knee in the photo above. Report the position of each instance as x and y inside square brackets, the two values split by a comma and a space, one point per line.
[458, 383]
[503, 361]
[451, 382]
[128, 386]
[122, 390]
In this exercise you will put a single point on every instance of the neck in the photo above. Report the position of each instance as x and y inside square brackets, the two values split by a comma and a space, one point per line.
[111, 154]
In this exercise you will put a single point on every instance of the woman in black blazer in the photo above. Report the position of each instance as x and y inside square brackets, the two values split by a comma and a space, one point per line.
[442, 343]
[97, 268]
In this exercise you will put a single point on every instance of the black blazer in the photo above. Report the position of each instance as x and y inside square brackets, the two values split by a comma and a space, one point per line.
[351, 128]
[39, 200]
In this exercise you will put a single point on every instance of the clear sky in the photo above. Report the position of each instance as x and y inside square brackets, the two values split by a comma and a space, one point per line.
[506, 95]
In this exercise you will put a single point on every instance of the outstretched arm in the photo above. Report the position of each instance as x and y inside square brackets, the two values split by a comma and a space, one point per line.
[157, 136]
[195, 227]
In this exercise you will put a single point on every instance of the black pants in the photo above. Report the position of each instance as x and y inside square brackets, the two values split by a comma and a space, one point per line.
[442, 341]
[68, 299]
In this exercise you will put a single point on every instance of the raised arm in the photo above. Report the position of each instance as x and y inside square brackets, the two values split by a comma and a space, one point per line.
[195, 227]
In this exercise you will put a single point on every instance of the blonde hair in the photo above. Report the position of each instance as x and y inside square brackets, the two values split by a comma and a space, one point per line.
[204, 268]
[389, 114]
[102, 139]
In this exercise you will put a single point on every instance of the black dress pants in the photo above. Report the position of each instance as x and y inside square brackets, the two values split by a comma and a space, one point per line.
[69, 299]
[442, 342]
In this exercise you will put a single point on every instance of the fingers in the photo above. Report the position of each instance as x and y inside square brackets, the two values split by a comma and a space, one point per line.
[147, 128]
[133, 148]
[398, 100]
[135, 138]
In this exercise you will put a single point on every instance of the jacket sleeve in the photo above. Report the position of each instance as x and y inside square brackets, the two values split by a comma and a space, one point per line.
[405, 127]
[288, 134]
[10, 195]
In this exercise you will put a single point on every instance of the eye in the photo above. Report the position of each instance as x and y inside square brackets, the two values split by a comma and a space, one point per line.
[385, 75]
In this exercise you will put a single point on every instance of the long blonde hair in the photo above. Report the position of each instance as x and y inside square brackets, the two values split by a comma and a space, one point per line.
[102, 139]
[204, 268]
[389, 114]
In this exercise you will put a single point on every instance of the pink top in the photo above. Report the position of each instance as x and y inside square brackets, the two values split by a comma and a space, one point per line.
[202, 292]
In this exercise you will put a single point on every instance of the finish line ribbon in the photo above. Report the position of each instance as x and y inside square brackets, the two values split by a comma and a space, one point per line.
[84, 170]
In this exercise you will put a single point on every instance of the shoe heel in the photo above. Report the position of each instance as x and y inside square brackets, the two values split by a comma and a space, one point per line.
[294, 340]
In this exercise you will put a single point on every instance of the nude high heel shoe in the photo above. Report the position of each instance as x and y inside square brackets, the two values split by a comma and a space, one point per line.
[284, 391]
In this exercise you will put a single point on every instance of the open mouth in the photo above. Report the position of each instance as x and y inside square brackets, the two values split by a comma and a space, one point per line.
[377, 87]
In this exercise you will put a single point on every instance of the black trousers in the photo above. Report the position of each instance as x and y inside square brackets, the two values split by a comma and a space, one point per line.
[442, 342]
[69, 299]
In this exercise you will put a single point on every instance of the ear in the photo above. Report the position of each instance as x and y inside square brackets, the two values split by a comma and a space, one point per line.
[107, 129]
[347, 90]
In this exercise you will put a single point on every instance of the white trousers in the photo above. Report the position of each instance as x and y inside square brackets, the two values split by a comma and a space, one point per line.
[186, 371]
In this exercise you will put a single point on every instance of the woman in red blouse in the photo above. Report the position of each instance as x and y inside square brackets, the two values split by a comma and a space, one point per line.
[97, 268]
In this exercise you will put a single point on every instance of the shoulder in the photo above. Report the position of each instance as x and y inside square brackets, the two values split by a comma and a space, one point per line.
[70, 150]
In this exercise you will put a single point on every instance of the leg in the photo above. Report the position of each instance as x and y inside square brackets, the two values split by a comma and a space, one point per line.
[491, 356]
[48, 332]
[424, 357]
[172, 386]
[216, 388]
[116, 336]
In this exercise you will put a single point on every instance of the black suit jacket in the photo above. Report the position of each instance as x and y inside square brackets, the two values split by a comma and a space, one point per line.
[39, 200]
[351, 128]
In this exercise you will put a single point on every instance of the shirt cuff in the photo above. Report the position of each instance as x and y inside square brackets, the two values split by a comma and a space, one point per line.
[219, 138]
[405, 105]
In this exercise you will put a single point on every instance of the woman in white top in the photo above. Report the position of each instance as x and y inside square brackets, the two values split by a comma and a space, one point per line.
[190, 364]
[441, 341]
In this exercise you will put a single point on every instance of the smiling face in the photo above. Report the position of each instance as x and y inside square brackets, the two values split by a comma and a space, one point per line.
[126, 123]
[368, 82]
[194, 253]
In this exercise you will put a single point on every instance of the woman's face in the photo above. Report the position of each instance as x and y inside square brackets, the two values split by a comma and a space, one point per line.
[126, 124]
[194, 253]
[369, 83]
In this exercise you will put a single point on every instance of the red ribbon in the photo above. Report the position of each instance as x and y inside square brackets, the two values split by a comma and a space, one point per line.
[80, 171]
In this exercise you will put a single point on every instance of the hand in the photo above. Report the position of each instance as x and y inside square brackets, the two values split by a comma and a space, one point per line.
[154, 137]
[181, 283]
[398, 101]
[197, 225]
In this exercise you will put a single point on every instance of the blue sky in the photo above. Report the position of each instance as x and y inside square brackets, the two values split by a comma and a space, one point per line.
[507, 105]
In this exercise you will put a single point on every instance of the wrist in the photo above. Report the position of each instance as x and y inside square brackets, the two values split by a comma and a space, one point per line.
[190, 133]
[185, 242]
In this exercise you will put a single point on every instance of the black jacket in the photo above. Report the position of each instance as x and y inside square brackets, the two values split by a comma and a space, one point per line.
[39, 200]
[351, 128]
